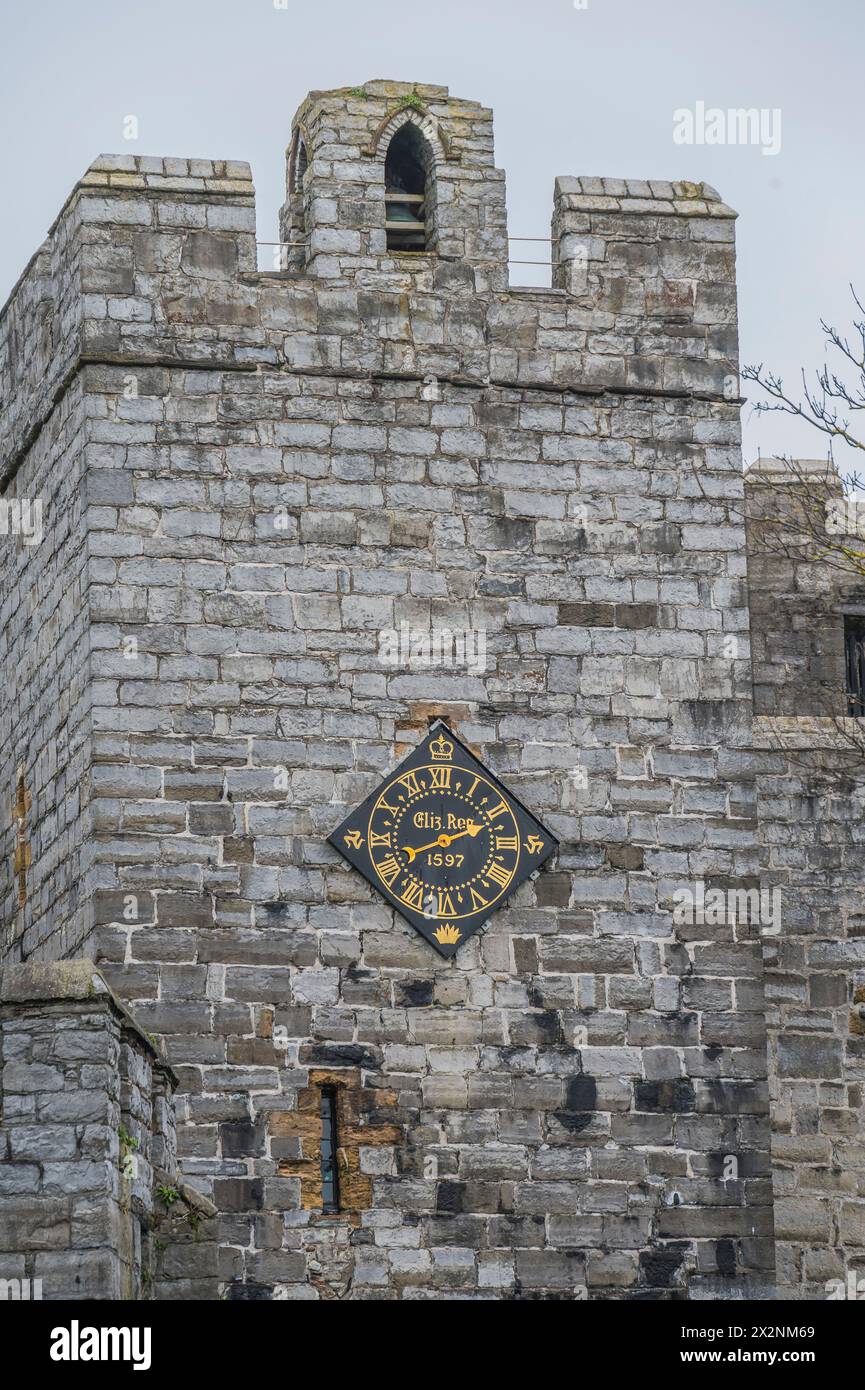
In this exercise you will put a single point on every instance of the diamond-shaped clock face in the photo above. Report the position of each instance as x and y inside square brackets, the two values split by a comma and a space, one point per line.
[443, 841]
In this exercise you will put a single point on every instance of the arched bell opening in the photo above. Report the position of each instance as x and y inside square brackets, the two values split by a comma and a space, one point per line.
[409, 191]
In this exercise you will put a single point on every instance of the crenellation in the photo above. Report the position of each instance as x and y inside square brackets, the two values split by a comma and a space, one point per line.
[253, 482]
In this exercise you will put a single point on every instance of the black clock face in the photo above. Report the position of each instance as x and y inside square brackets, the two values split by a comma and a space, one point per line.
[443, 841]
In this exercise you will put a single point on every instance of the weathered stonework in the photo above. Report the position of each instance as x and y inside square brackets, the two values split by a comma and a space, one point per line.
[811, 802]
[362, 1132]
[810, 779]
[798, 595]
[247, 477]
[87, 1144]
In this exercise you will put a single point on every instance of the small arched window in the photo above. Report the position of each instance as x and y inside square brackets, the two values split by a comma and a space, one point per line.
[298, 163]
[408, 190]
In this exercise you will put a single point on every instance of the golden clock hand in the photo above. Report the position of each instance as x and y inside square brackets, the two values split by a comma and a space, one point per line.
[441, 842]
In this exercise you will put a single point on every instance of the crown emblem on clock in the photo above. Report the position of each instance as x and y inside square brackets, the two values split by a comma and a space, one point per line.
[447, 934]
[442, 749]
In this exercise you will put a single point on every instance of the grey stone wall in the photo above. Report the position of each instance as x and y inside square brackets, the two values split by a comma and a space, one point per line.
[92, 1206]
[653, 266]
[40, 337]
[43, 625]
[244, 922]
[278, 467]
[800, 588]
[62, 1218]
[811, 800]
[44, 717]
[86, 1121]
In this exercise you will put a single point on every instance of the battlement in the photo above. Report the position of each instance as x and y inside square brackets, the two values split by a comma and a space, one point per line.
[152, 261]
[253, 486]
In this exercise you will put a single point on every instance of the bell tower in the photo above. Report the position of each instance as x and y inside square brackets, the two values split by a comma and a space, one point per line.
[394, 179]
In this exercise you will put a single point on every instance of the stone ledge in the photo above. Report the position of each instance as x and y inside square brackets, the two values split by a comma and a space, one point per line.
[163, 183]
[199, 170]
[76, 981]
[769, 470]
[535, 291]
[655, 197]
[44, 980]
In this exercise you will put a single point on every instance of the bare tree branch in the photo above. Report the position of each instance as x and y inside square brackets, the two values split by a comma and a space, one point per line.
[815, 405]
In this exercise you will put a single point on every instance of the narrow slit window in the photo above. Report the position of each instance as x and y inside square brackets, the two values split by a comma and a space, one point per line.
[298, 163]
[301, 166]
[20, 808]
[406, 191]
[854, 647]
[329, 1173]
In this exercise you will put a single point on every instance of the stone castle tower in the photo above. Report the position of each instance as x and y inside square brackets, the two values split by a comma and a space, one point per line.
[246, 477]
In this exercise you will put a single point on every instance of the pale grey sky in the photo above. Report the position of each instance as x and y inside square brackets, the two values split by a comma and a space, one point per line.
[574, 90]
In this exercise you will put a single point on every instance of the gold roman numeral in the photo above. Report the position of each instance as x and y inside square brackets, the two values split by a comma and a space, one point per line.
[376, 839]
[446, 904]
[389, 869]
[500, 810]
[385, 806]
[502, 841]
[411, 784]
[441, 779]
[499, 874]
[412, 895]
[477, 900]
